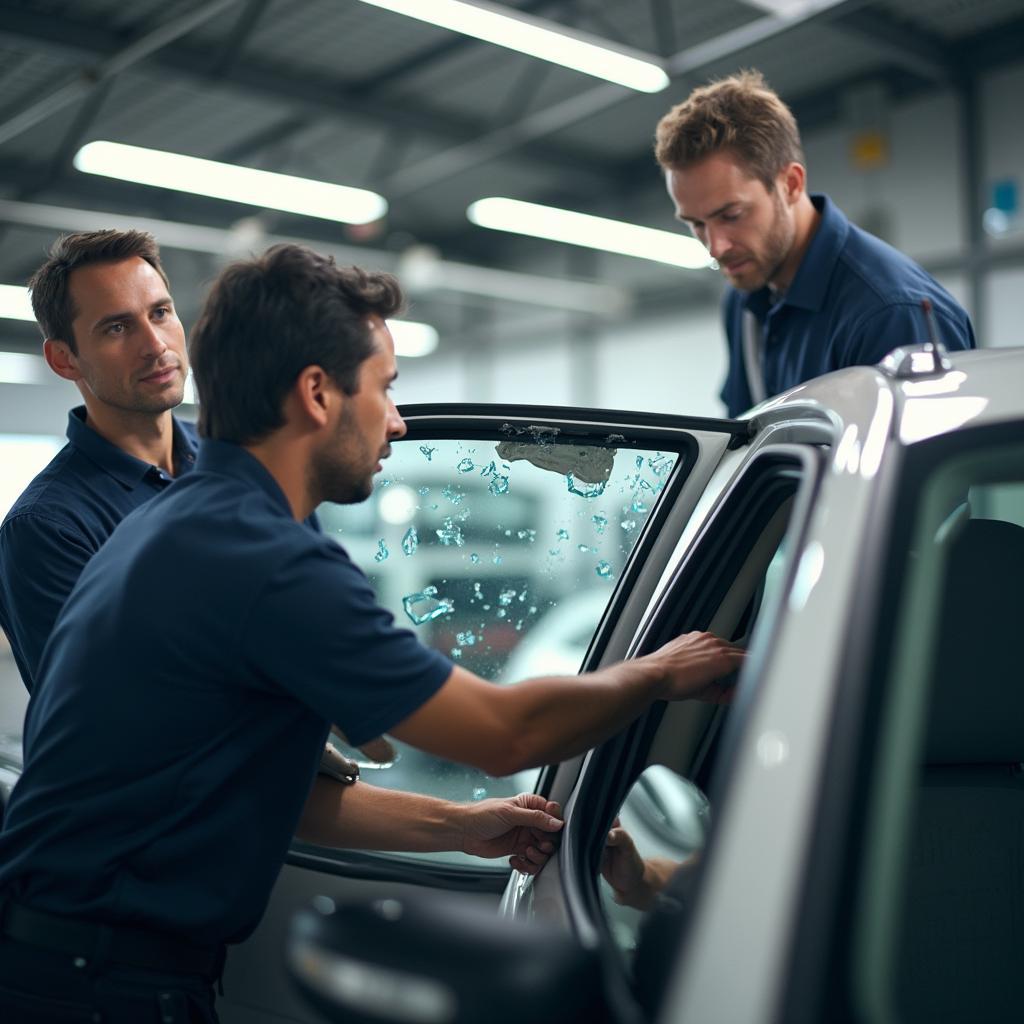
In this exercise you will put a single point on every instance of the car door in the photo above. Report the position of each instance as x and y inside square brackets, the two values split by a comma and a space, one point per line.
[518, 540]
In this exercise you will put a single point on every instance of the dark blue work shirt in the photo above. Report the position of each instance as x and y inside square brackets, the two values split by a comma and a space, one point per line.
[852, 301]
[183, 702]
[61, 520]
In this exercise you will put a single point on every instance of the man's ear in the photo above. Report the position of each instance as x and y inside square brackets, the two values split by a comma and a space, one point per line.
[793, 181]
[315, 395]
[61, 359]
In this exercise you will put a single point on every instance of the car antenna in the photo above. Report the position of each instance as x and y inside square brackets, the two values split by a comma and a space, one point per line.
[929, 319]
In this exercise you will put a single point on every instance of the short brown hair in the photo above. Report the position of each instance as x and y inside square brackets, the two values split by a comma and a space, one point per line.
[51, 298]
[740, 113]
[267, 319]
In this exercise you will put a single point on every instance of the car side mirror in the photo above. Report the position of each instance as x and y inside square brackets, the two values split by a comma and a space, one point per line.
[425, 959]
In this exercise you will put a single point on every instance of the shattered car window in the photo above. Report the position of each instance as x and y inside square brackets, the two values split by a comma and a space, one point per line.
[503, 555]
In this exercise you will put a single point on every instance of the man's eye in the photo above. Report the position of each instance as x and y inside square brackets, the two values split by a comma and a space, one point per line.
[117, 328]
[161, 313]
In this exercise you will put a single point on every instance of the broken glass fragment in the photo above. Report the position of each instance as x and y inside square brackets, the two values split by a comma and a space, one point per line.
[639, 462]
[476, 594]
[466, 466]
[498, 485]
[456, 653]
[423, 492]
[489, 470]
[600, 521]
[450, 533]
[660, 464]
[593, 491]
[628, 524]
[384, 482]
[474, 558]
[562, 534]
[585, 548]
[466, 639]
[593, 465]
[411, 541]
[479, 792]
[506, 597]
[603, 569]
[638, 506]
[427, 451]
[382, 551]
[426, 606]
[528, 535]
[452, 494]
[496, 559]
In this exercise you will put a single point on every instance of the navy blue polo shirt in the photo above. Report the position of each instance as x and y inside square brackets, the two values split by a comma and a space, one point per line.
[183, 702]
[61, 520]
[852, 301]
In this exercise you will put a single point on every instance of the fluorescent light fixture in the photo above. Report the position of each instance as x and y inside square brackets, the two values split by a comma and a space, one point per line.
[264, 189]
[536, 38]
[15, 303]
[21, 368]
[593, 232]
[413, 339]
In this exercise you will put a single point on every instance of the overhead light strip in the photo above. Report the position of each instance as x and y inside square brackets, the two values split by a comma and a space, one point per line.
[583, 229]
[413, 339]
[15, 303]
[536, 38]
[264, 189]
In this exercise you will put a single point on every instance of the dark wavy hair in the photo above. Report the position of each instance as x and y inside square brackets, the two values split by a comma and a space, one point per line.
[267, 319]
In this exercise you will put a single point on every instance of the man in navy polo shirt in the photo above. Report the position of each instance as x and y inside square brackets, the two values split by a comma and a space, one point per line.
[104, 306]
[188, 686]
[810, 292]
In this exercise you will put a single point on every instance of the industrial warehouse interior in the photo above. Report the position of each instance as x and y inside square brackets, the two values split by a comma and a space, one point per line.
[517, 199]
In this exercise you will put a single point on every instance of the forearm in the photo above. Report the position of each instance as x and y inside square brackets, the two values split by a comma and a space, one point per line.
[554, 718]
[365, 817]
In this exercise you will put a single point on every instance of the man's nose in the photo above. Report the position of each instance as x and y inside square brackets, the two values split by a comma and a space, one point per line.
[396, 425]
[152, 340]
[717, 242]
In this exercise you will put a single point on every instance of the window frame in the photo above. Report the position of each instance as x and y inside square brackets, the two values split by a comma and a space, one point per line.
[475, 422]
[733, 526]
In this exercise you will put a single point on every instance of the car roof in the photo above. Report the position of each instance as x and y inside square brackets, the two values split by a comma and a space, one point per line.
[969, 389]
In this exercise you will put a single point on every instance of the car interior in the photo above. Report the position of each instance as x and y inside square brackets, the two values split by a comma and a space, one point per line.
[957, 956]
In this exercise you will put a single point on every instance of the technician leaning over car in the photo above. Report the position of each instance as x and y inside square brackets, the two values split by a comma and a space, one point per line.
[188, 686]
[811, 292]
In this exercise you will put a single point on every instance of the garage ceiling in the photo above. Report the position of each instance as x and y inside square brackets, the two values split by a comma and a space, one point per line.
[343, 91]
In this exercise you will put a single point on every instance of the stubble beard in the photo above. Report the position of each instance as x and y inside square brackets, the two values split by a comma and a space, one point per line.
[338, 470]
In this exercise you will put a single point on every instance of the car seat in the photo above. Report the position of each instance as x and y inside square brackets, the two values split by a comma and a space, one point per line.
[960, 954]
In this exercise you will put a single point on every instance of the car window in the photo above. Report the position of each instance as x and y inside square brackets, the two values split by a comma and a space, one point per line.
[938, 900]
[501, 554]
[666, 816]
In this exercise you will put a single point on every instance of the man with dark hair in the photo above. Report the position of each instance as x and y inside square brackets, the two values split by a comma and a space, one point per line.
[208, 644]
[810, 292]
[108, 321]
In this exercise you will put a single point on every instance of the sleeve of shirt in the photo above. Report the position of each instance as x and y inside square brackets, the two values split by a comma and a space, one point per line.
[875, 335]
[317, 632]
[41, 560]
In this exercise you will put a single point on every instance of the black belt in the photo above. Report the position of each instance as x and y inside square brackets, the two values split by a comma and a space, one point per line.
[89, 941]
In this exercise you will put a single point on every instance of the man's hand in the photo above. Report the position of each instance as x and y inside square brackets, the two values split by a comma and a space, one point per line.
[635, 881]
[697, 665]
[518, 827]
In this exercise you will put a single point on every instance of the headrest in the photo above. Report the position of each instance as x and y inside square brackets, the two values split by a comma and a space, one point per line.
[976, 713]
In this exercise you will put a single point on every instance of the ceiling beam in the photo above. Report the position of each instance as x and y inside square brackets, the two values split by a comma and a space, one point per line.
[326, 98]
[542, 123]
